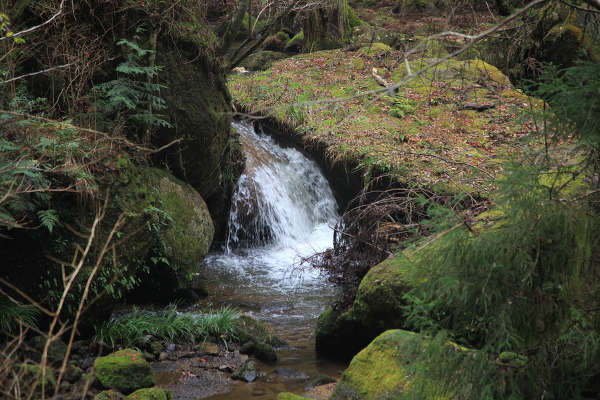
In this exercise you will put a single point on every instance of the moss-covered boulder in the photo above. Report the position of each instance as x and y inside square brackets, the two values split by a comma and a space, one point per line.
[124, 370]
[189, 233]
[149, 394]
[109, 395]
[262, 60]
[34, 380]
[379, 371]
[378, 306]
[365, 34]
[290, 396]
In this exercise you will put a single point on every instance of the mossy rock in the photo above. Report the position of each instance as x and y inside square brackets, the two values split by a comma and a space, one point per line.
[295, 44]
[251, 330]
[124, 370]
[262, 60]
[566, 43]
[149, 394]
[33, 381]
[378, 306]
[290, 396]
[365, 35]
[379, 371]
[109, 395]
[56, 352]
[189, 233]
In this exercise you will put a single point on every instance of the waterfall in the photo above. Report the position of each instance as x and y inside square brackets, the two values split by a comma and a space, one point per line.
[283, 211]
[282, 198]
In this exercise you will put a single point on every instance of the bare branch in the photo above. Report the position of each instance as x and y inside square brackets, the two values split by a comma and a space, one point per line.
[60, 10]
[35, 73]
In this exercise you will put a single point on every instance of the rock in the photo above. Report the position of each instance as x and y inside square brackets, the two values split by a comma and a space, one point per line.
[125, 370]
[109, 395]
[73, 373]
[264, 352]
[87, 363]
[64, 387]
[247, 348]
[56, 352]
[379, 371]
[148, 394]
[320, 380]
[211, 349]
[248, 372]
[378, 306]
[170, 347]
[290, 373]
[31, 378]
[290, 396]
[156, 348]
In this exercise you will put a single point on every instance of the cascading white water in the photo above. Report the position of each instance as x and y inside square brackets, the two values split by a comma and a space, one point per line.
[283, 211]
[282, 198]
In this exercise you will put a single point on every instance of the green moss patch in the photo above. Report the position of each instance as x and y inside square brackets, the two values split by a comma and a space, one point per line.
[464, 116]
[124, 370]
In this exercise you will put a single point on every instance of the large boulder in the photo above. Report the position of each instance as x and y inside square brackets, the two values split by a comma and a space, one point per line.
[125, 370]
[378, 306]
[379, 372]
[149, 394]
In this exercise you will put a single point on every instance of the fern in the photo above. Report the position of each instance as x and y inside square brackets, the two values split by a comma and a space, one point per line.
[48, 218]
[132, 95]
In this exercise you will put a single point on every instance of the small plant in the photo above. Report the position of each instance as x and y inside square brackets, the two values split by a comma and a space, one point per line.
[134, 328]
[401, 107]
[133, 96]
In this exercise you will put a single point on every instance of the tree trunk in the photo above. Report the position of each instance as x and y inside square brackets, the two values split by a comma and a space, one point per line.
[328, 26]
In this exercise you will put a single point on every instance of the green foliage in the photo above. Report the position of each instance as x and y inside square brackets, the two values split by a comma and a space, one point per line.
[523, 292]
[12, 314]
[574, 97]
[132, 329]
[133, 96]
[401, 107]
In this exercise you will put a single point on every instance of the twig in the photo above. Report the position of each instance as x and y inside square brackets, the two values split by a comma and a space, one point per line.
[34, 73]
[60, 10]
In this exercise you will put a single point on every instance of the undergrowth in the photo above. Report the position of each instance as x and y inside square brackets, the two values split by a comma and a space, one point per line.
[137, 327]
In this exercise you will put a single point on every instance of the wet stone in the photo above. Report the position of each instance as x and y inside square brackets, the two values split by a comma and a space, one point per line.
[290, 373]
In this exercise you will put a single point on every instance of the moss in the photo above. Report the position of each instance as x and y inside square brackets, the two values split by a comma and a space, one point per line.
[290, 396]
[379, 371]
[32, 378]
[189, 233]
[378, 306]
[124, 370]
[109, 395]
[295, 43]
[148, 394]
[566, 43]
[376, 372]
[262, 60]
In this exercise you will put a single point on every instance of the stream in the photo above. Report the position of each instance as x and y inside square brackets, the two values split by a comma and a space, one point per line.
[282, 213]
